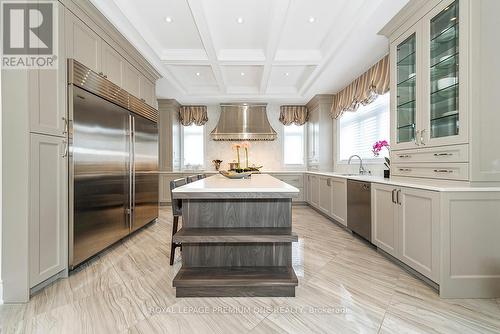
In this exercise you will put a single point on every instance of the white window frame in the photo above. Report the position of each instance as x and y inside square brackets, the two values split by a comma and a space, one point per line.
[304, 150]
[182, 165]
[371, 161]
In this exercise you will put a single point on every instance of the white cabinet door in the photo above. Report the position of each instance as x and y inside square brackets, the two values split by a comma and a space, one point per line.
[339, 200]
[48, 207]
[445, 53]
[148, 94]
[314, 190]
[406, 89]
[47, 93]
[83, 44]
[132, 80]
[325, 194]
[419, 230]
[47, 100]
[112, 64]
[385, 218]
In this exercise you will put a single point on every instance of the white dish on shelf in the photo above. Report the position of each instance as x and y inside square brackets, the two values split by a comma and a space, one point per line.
[446, 82]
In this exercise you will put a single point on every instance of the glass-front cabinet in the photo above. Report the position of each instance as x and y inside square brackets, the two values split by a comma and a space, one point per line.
[445, 120]
[405, 80]
[406, 89]
[428, 65]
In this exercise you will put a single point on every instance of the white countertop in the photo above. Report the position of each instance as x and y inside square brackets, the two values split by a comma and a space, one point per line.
[428, 184]
[220, 183]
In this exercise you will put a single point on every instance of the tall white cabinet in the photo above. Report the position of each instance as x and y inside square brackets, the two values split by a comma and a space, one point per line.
[40, 250]
[443, 94]
[320, 134]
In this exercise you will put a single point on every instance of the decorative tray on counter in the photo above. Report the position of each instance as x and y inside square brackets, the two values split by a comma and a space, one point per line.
[236, 175]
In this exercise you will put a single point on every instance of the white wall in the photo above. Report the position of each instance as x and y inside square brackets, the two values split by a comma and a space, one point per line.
[262, 153]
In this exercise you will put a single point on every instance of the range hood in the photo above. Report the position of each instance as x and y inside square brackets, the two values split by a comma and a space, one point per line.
[243, 121]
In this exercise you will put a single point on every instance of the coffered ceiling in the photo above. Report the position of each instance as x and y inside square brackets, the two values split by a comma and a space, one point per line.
[227, 50]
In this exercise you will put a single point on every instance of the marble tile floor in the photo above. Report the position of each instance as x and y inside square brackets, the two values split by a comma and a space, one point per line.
[345, 286]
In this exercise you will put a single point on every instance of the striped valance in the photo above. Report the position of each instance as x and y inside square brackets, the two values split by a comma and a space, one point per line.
[196, 115]
[363, 90]
[297, 115]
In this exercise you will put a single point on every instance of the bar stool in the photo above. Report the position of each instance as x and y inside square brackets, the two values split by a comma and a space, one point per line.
[192, 178]
[176, 212]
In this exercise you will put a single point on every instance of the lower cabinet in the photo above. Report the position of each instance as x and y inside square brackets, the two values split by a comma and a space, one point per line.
[329, 195]
[325, 194]
[313, 190]
[48, 233]
[339, 200]
[296, 180]
[405, 224]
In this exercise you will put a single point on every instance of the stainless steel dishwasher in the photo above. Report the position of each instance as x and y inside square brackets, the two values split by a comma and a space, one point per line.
[359, 208]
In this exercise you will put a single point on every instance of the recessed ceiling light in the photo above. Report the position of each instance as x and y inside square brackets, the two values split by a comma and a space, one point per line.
[312, 19]
[287, 74]
[168, 19]
[239, 20]
[242, 74]
[197, 74]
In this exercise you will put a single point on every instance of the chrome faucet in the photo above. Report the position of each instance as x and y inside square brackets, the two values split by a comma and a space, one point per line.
[362, 169]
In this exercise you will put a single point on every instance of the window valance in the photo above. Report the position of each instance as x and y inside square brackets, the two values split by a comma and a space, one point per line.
[297, 115]
[196, 115]
[364, 89]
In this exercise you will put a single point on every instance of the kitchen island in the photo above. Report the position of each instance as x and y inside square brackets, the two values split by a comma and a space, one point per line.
[236, 237]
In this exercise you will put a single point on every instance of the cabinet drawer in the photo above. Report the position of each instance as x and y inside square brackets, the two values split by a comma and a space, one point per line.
[446, 171]
[294, 180]
[456, 153]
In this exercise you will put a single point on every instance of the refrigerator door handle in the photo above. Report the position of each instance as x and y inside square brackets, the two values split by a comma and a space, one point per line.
[133, 173]
[130, 180]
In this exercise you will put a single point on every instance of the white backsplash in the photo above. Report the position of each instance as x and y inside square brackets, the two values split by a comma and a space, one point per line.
[261, 153]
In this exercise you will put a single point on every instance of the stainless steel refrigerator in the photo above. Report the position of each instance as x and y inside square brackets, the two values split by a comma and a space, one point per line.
[113, 164]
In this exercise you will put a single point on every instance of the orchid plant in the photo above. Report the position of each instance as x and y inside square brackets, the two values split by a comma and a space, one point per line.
[379, 146]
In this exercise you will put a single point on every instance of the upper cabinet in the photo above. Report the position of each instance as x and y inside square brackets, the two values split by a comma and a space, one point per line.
[112, 64]
[320, 133]
[428, 106]
[82, 43]
[444, 91]
[443, 95]
[405, 117]
[107, 59]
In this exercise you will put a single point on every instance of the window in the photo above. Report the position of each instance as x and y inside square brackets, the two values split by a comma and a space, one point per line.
[192, 147]
[359, 130]
[293, 145]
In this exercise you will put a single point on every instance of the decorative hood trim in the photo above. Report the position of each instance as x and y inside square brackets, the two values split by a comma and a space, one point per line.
[243, 121]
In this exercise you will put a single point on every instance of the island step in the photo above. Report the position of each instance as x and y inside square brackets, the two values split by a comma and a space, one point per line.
[235, 281]
[234, 235]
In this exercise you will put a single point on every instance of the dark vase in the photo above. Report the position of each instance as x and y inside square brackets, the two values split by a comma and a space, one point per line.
[387, 173]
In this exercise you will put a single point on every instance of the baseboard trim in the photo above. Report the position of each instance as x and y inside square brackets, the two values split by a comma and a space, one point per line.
[410, 270]
[48, 281]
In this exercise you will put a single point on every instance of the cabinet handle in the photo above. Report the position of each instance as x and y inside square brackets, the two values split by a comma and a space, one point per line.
[66, 126]
[405, 169]
[65, 152]
[397, 196]
[328, 182]
[417, 135]
[422, 142]
[443, 154]
[392, 196]
[405, 156]
[443, 171]
[143, 100]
